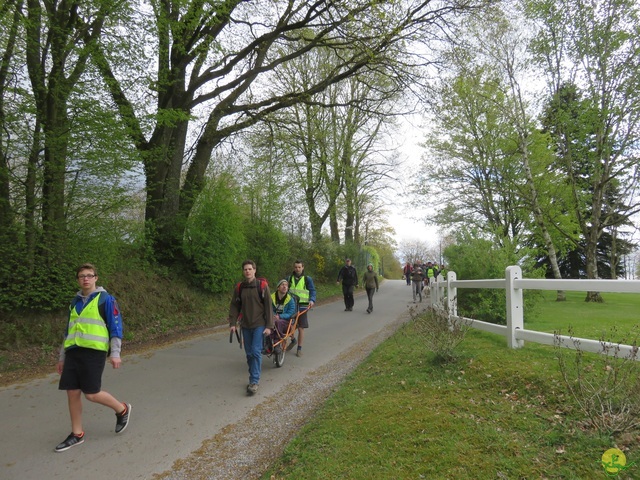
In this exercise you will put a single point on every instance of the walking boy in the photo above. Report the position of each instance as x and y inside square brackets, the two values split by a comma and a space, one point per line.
[251, 303]
[94, 328]
[302, 285]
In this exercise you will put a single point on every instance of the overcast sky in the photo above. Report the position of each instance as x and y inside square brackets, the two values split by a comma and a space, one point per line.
[405, 219]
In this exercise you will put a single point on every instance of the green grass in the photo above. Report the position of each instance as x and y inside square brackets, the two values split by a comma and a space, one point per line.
[493, 413]
[587, 320]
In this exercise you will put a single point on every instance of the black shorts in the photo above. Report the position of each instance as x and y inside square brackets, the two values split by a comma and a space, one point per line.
[82, 370]
[303, 321]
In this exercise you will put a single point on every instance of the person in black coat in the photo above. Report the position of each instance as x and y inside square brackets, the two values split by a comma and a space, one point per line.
[349, 278]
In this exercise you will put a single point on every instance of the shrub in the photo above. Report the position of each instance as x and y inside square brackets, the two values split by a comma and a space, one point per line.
[440, 336]
[214, 242]
[606, 387]
[269, 248]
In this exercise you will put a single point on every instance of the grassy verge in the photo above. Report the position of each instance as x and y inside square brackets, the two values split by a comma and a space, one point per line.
[493, 413]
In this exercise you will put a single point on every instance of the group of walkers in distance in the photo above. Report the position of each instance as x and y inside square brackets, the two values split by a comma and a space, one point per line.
[421, 275]
[95, 329]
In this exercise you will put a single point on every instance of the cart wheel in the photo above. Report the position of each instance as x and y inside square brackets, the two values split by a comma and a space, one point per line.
[278, 357]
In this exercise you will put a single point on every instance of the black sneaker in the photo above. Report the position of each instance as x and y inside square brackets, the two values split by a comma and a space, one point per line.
[291, 345]
[71, 441]
[122, 419]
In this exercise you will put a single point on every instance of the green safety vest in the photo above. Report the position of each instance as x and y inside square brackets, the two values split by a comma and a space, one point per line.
[88, 329]
[300, 289]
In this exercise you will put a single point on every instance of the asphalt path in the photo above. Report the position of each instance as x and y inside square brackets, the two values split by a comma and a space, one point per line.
[181, 395]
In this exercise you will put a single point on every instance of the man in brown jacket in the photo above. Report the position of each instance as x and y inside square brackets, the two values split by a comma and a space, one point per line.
[251, 306]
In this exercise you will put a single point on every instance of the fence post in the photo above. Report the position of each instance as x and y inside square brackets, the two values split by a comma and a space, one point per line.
[433, 293]
[440, 287]
[515, 306]
[435, 289]
[452, 295]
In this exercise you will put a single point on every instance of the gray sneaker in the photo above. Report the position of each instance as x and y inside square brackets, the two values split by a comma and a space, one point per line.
[299, 353]
[252, 389]
[292, 344]
[71, 441]
[122, 419]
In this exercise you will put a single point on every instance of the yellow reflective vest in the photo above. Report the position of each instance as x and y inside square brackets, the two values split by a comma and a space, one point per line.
[300, 289]
[87, 329]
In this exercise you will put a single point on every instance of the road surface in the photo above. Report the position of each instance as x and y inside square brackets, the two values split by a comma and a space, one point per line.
[181, 396]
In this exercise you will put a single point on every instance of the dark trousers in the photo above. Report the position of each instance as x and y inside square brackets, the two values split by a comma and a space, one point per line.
[407, 277]
[347, 292]
[370, 292]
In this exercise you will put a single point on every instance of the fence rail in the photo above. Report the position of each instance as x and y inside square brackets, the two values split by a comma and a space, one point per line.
[444, 295]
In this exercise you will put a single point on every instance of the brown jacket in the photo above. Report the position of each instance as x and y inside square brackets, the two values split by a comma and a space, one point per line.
[250, 310]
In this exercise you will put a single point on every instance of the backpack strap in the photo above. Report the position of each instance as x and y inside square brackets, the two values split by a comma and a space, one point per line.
[262, 283]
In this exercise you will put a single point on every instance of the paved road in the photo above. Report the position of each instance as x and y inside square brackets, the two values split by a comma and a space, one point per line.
[181, 396]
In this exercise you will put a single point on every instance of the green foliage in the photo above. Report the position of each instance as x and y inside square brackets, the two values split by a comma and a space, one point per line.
[318, 257]
[214, 243]
[475, 258]
[326, 258]
[371, 257]
[269, 248]
[44, 284]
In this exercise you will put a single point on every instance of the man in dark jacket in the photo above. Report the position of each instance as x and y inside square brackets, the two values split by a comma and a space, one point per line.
[349, 278]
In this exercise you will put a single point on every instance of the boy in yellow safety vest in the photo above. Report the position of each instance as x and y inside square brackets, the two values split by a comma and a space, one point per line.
[94, 330]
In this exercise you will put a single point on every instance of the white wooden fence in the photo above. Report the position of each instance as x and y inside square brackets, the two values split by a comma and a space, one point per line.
[444, 295]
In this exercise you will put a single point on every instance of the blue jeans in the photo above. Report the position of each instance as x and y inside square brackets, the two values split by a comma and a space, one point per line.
[253, 338]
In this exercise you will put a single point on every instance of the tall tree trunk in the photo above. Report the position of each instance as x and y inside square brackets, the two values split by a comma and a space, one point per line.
[333, 226]
[65, 52]
[6, 213]
[591, 251]
[542, 225]
[614, 258]
[30, 229]
[163, 165]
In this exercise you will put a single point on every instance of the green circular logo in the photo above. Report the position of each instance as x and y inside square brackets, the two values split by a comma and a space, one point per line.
[614, 461]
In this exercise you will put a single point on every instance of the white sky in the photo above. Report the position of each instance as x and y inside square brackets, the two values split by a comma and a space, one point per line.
[405, 219]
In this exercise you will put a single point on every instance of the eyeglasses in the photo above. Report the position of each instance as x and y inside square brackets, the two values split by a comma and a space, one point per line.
[82, 277]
